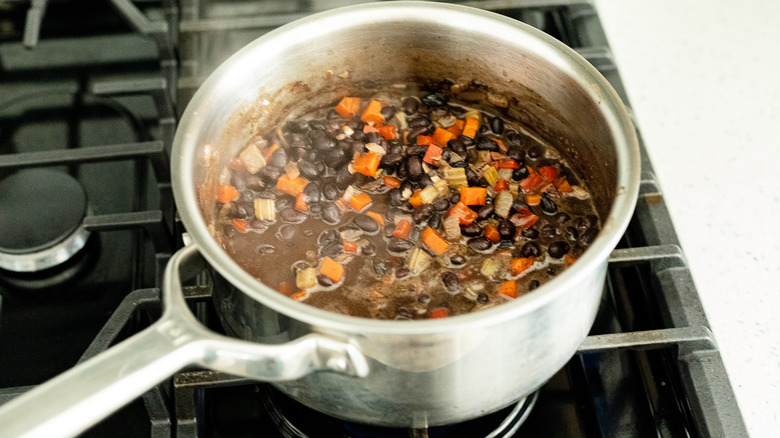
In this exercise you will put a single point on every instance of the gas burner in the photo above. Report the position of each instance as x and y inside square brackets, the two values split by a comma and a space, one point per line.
[294, 420]
[41, 220]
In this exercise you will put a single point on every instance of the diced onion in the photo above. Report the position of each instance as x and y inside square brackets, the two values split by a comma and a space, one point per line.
[252, 158]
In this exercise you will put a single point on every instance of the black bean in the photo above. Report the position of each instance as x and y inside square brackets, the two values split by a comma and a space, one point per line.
[387, 112]
[403, 313]
[458, 146]
[472, 177]
[535, 152]
[308, 170]
[454, 198]
[517, 204]
[284, 202]
[549, 232]
[410, 105]
[482, 298]
[414, 168]
[241, 210]
[320, 167]
[423, 298]
[530, 233]
[322, 141]
[332, 249]
[374, 137]
[296, 126]
[296, 141]
[497, 125]
[530, 249]
[533, 284]
[336, 158]
[368, 249]
[468, 141]
[483, 129]
[422, 212]
[485, 211]
[418, 151]
[577, 251]
[330, 213]
[395, 147]
[470, 230]
[571, 233]
[562, 217]
[548, 206]
[515, 153]
[366, 223]
[414, 234]
[435, 221]
[451, 283]
[399, 246]
[506, 229]
[324, 280]
[330, 191]
[402, 273]
[265, 250]
[311, 156]
[315, 209]
[461, 164]
[487, 144]
[589, 236]
[396, 197]
[520, 174]
[391, 160]
[317, 124]
[292, 216]
[457, 260]
[480, 243]
[440, 204]
[514, 139]
[419, 121]
[344, 178]
[286, 232]
[434, 100]
[558, 249]
[269, 175]
[312, 192]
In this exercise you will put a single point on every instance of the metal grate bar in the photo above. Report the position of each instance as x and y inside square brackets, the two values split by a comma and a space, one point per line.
[687, 338]
[153, 222]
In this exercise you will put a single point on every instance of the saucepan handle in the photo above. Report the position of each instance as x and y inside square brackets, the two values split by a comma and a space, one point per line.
[77, 399]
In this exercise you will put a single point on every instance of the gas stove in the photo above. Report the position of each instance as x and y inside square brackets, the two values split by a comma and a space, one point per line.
[89, 94]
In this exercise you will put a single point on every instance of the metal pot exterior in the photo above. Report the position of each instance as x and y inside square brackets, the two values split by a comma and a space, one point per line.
[420, 372]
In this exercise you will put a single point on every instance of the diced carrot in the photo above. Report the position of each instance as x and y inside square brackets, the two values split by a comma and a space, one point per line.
[350, 247]
[369, 128]
[501, 184]
[291, 186]
[508, 288]
[569, 260]
[433, 240]
[388, 132]
[507, 164]
[501, 145]
[460, 124]
[533, 200]
[442, 136]
[373, 114]
[457, 128]
[359, 202]
[519, 265]
[548, 172]
[367, 163]
[402, 229]
[331, 269]
[270, 151]
[240, 224]
[227, 194]
[433, 154]
[439, 312]
[300, 202]
[348, 107]
[473, 195]
[523, 218]
[471, 127]
[563, 186]
[491, 232]
[285, 288]
[416, 200]
[424, 140]
[533, 181]
[464, 214]
[298, 296]
[376, 217]
[391, 181]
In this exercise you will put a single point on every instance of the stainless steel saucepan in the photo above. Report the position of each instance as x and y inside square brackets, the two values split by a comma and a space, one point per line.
[393, 373]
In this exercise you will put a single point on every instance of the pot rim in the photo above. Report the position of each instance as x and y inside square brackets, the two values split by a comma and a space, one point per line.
[482, 22]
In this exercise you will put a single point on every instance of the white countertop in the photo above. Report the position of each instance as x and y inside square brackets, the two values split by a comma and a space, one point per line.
[703, 78]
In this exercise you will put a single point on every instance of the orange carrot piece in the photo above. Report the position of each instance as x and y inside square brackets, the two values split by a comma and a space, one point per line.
[471, 127]
[270, 151]
[501, 145]
[508, 288]
[285, 288]
[563, 186]
[359, 202]
[331, 269]
[506, 164]
[227, 194]
[350, 247]
[432, 154]
[433, 240]
[300, 202]
[457, 128]
[569, 260]
[291, 186]
[372, 113]
[388, 132]
[501, 184]
[240, 224]
[391, 181]
[424, 140]
[348, 107]
[376, 217]
[473, 195]
[298, 296]
[533, 181]
[549, 173]
[369, 128]
[402, 229]
[464, 214]
[442, 136]
[533, 200]
[518, 266]
[439, 312]
[367, 163]
[491, 232]
[416, 200]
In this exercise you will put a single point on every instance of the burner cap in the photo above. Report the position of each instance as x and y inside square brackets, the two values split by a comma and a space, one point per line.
[41, 214]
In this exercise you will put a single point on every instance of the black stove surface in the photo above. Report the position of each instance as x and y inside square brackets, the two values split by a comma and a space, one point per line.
[96, 98]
